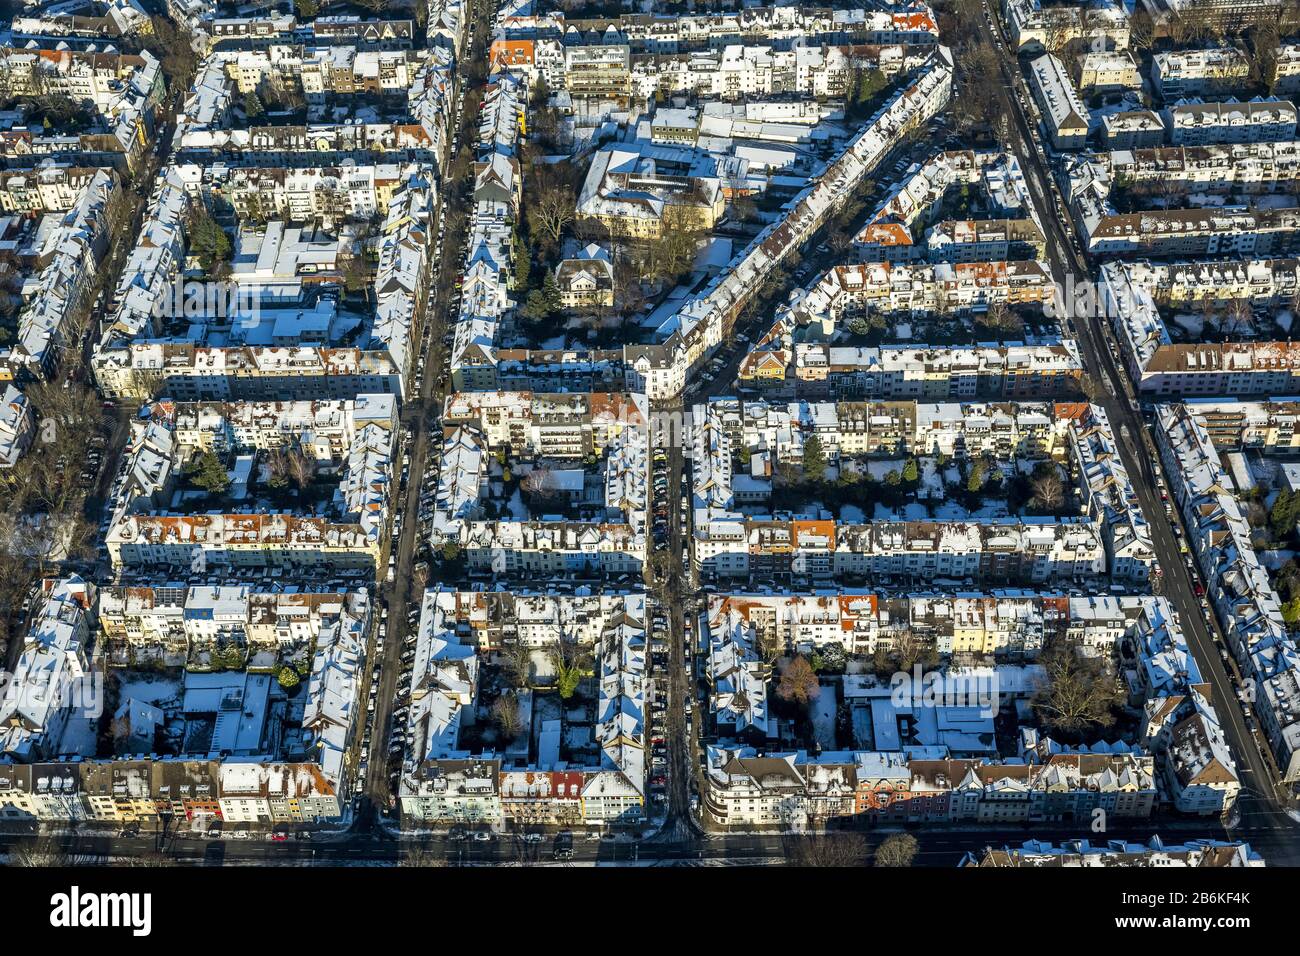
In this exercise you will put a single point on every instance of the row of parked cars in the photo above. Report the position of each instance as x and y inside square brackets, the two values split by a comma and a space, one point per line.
[659, 661]
[659, 484]
[401, 697]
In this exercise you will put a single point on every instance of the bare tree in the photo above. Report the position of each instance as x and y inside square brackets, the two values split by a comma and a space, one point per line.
[292, 464]
[1079, 693]
[798, 682]
[505, 714]
[518, 663]
[39, 851]
[1049, 493]
[422, 853]
[897, 849]
[146, 858]
[1141, 30]
[837, 850]
[1238, 317]
[1002, 317]
[552, 209]
[911, 648]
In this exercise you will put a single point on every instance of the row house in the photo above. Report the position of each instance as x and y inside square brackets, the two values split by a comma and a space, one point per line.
[139, 791]
[1136, 295]
[746, 789]
[1238, 585]
[171, 618]
[444, 784]
[134, 359]
[51, 680]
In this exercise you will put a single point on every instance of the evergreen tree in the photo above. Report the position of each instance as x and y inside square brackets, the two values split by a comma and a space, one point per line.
[814, 458]
[207, 472]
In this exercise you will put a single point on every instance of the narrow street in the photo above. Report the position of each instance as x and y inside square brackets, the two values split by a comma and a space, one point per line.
[675, 594]
[402, 597]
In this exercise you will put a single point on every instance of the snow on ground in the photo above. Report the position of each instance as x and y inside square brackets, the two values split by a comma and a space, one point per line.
[80, 737]
[518, 510]
[1275, 559]
[823, 718]
[915, 511]
[1193, 325]
[863, 734]
[852, 514]
[931, 484]
[149, 688]
[880, 469]
[952, 511]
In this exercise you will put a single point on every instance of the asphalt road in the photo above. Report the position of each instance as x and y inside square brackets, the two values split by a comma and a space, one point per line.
[938, 846]
[401, 596]
[1259, 801]
[673, 595]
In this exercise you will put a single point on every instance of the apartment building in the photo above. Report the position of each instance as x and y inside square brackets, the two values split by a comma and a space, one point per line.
[1135, 293]
[123, 90]
[1132, 129]
[57, 292]
[634, 195]
[52, 677]
[134, 359]
[1063, 111]
[1266, 229]
[17, 426]
[698, 327]
[1238, 587]
[1203, 854]
[1211, 72]
[1105, 72]
[239, 772]
[116, 18]
[733, 538]
[1195, 123]
[141, 791]
[603, 783]
[1035, 26]
[1286, 70]
[782, 27]
[739, 72]
[745, 631]
[411, 92]
[1006, 624]
[162, 620]
[586, 280]
[892, 231]
[954, 373]
[354, 440]
[486, 295]
[744, 789]
[582, 460]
